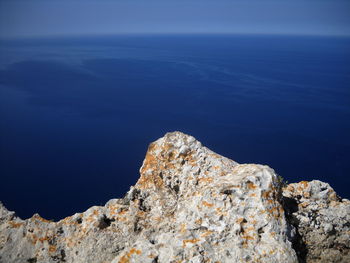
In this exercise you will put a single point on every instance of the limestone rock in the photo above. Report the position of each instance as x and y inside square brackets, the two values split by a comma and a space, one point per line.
[322, 220]
[189, 205]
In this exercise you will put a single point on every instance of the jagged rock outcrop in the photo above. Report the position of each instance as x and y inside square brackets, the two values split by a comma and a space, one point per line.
[190, 205]
[322, 220]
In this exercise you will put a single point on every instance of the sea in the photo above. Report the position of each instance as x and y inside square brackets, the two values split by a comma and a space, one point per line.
[77, 113]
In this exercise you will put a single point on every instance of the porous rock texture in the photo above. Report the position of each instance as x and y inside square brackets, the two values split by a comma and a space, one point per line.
[191, 205]
[322, 219]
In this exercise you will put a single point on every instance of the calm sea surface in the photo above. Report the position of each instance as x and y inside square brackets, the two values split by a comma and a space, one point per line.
[77, 115]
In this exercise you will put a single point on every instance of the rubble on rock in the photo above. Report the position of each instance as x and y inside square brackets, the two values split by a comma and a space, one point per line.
[322, 220]
[191, 205]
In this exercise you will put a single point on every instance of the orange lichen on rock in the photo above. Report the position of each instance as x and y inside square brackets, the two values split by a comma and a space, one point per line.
[191, 161]
[183, 228]
[123, 212]
[127, 256]
[93, 216]
[150, 161]
[205, 180]
[266, 194]
[32, 238]
[70, 220]
[151, 256]
[191, 241]
[199, 221]
[38, 217]
[254, 222]
[241, 220]
[246, 237]
[167, 147]
[43, 239]
[304, 183]
[251, 228]
[251, 185]
[304, 204]
[215, 155]
[302, 186]
[290, 188]
[276, 211]
[219, 212]
[15, 224]
[272, 251]
[52, 248]
[153, 166]
[306, 194]
[205, 203]
[207, 233]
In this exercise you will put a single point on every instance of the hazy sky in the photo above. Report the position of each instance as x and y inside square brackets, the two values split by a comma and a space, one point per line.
[49, 17]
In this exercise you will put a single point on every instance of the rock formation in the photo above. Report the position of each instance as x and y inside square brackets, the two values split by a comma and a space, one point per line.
[322, 220]
[191, 205]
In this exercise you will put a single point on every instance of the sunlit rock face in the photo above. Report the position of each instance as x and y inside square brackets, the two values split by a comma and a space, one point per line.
[189, 205]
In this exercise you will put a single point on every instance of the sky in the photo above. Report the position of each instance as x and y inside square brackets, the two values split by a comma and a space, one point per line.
[34, 18]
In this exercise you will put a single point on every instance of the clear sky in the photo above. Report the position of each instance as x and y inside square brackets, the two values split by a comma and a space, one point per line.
[88, 17]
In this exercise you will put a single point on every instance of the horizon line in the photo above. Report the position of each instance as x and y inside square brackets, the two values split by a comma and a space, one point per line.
[53, 36]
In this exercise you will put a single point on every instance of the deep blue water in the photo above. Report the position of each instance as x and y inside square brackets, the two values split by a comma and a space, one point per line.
[77, 114]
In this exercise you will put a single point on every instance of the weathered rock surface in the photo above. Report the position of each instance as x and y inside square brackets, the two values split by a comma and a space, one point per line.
[322, 220]
[191, 205]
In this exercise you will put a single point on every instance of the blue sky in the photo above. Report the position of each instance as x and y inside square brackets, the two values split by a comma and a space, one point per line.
[90, 17]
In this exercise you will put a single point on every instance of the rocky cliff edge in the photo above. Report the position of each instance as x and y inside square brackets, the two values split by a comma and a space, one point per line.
[191, 205]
